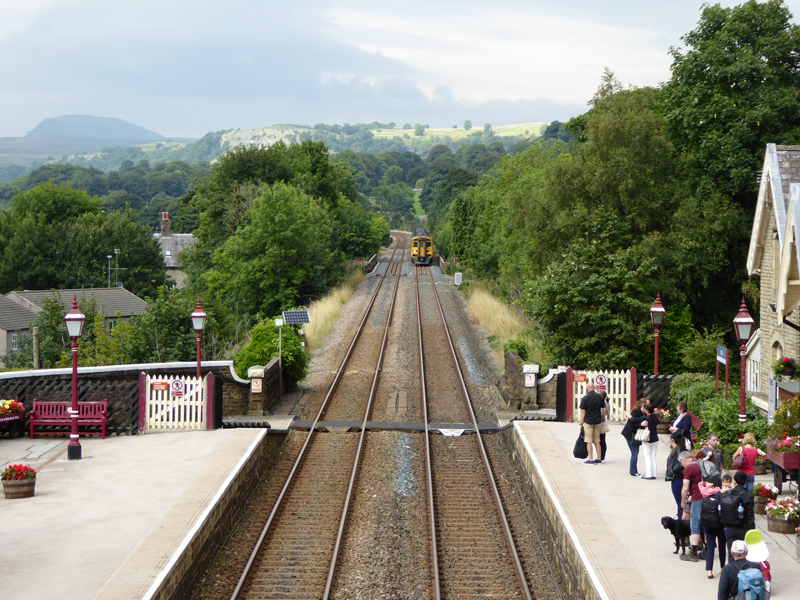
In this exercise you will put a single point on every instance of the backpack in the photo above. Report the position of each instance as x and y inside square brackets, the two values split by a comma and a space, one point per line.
[751, 584]
[707, 469]
[709, 512]
[729, 509]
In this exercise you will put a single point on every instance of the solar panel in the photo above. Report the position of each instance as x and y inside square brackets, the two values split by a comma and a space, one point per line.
[295, 317]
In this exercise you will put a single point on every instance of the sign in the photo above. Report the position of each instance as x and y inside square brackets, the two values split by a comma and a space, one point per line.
[176, 387]
[530, 380]
[160, 386]
[527, 369]
[256, 386]
[600, 382]
[579, 377]
[722, 355]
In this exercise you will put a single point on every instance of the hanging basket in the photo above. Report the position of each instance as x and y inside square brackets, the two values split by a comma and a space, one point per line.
[19, 488]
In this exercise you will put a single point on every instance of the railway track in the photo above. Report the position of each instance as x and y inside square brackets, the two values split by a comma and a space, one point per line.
[474, 549]
[302, 536]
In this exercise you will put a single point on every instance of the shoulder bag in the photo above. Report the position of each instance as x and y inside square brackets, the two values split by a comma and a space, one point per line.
[643, 434]
[738, 462]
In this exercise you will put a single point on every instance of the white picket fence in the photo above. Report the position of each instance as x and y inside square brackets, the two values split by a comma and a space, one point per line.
[618, 388]
[176, 403]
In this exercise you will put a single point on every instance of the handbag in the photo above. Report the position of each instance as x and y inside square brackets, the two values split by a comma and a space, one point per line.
[605, 427]
[738, 462]
[643, 434]
[580, 450]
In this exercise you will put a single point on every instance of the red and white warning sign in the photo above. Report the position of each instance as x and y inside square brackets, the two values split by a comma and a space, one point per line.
[160, 386]
[530, 380]
[256, 386]
[600, 382]
[176, 387]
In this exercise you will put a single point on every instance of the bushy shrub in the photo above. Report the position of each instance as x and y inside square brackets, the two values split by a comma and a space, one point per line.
[786, 417]
[519, 347]
[692, 388]
[263, 347]
[722, 418]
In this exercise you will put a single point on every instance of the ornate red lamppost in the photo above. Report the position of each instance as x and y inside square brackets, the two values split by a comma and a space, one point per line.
[74, 320]
[657, 312]
[743, 324]
[199, 322]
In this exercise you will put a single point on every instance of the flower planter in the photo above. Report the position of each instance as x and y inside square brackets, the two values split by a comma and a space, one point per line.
[778, 525]
[785, 460]
[798, 546]
[662, 428]
[19, 488]
[13, 422]
[760, 505]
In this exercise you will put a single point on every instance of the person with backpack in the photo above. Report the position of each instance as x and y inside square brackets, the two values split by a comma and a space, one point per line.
[712, 526]
[737, 511]
[712, 452]
[675, 469]
[740, 577]
[690, 492]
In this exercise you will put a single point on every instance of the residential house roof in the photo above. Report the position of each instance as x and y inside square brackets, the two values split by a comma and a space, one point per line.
[110, 300]
[171, 246]
[14, 317]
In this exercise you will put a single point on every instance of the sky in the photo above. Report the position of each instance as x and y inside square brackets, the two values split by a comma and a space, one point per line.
[184, 68]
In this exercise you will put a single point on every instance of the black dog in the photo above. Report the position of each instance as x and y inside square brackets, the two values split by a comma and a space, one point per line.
[680, 530]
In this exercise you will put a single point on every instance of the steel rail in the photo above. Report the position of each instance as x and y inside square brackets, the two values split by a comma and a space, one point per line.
[428, 468]
[287, 484]
[498, 501]
[332, 571]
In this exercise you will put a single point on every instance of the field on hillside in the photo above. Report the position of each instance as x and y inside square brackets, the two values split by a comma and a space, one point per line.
[460, 133]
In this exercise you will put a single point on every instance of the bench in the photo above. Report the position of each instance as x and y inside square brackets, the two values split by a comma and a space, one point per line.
[697, 425]
[56, 415]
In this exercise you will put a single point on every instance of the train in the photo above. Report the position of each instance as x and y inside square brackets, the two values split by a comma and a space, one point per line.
[421, 247]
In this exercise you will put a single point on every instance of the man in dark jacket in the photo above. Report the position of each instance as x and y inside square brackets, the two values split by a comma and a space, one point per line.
[729, 580]
[737, 531]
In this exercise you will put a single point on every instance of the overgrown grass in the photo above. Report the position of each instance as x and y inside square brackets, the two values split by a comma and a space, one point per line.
[418, 210]
[324, 313]
[505, 323]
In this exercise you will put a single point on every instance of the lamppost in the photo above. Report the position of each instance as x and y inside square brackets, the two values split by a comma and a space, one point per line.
[199, 322]
[74, 320]
[108, 256]
[743, 324]
[657, 312]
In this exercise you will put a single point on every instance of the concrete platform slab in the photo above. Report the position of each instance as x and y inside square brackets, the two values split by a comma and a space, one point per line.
[105, 526]
[617, 520]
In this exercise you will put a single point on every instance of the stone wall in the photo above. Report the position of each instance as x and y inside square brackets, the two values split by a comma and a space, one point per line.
[565, 558]
[546, 392]
[512, 385]
[197, 555]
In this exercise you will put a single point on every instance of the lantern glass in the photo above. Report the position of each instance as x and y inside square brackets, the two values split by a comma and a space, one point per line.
[199, 317]
[74, 323]
[743, 324]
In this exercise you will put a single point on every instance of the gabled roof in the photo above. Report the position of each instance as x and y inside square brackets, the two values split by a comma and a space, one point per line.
[14, 317]
[788, 295]
[110, 300]
[781, 169]
[171, 246]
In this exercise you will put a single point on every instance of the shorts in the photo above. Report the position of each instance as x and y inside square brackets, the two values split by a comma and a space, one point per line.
[694, 524]
[591, 433]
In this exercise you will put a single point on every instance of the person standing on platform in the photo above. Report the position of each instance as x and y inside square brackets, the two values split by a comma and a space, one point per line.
[593, 409]
[675, 468]
[683, 424]
[729, 581]
[691, 492]
[712, 526]
[604, 428]
[712, 453]
[650, 446]
[633, 444]
[750, 453]
[737, 511]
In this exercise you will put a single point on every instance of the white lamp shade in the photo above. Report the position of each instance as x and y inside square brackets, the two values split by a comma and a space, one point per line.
[199, 317]
[657, 312]
[74, 320]
[743, 324]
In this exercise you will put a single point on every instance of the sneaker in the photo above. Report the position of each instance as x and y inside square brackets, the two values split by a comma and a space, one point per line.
[599, 462]
[588, 463]
[689, 557]
[635, 475]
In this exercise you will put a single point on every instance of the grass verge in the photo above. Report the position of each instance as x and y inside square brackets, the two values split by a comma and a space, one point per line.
[324, 312]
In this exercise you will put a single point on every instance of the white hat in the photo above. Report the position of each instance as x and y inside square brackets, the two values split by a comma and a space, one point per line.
[738, 547]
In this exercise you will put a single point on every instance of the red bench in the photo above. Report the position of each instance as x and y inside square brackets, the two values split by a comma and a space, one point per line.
[56, 415]
[697, 425]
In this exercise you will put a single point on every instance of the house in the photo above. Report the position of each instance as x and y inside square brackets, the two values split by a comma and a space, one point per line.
[773, 255]
[18, 310]
[171, 246]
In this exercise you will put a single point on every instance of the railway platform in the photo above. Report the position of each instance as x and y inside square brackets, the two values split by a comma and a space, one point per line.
[616, 520]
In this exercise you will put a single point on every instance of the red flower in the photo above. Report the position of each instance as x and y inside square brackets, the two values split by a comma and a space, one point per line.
[786, 359]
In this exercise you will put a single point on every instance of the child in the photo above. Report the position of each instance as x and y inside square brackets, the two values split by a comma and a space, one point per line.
[727, 482]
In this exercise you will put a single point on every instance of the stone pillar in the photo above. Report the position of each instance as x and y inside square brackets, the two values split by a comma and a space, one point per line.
[257, 391]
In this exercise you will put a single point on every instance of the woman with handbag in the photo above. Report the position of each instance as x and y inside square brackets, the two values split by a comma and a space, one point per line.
[628, 433]
[648, 436]
[604, 428]
[744, 459]
[683, 424]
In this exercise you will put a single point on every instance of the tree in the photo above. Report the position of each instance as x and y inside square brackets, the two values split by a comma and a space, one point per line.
[467, 125]
[419, 130]
[735, 89]
[263, 346]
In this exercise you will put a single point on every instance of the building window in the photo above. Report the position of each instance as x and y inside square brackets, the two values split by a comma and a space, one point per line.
[167, 252]
[14, 339]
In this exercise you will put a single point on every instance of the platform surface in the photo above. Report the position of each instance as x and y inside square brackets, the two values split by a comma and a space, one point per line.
[617, 518]
[106, 525]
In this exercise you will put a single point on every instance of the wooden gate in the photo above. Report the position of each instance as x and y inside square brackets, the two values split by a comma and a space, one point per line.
[176, 402]
[620, 388]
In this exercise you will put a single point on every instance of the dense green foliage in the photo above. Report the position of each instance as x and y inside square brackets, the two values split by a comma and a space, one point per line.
[263, 347]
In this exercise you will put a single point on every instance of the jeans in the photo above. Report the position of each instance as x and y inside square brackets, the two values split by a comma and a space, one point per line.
[714, 538]
[677, 486]
[650, 450]
[751, 479]
[634, 448]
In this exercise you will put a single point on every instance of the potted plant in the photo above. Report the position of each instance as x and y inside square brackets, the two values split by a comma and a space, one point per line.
[763, 493]
[19, 481]
[664, 418]
[783, 515]
[784, 367]
[12, 414]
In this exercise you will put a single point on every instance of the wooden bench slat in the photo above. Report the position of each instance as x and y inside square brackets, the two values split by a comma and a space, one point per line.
[56, 414]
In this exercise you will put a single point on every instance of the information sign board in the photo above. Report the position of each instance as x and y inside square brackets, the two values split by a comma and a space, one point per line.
[160, 386]
[722, 355]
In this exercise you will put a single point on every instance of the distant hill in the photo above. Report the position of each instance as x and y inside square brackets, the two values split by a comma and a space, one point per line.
[84, 126]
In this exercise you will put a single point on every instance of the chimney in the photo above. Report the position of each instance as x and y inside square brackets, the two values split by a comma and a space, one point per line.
[165, 225]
